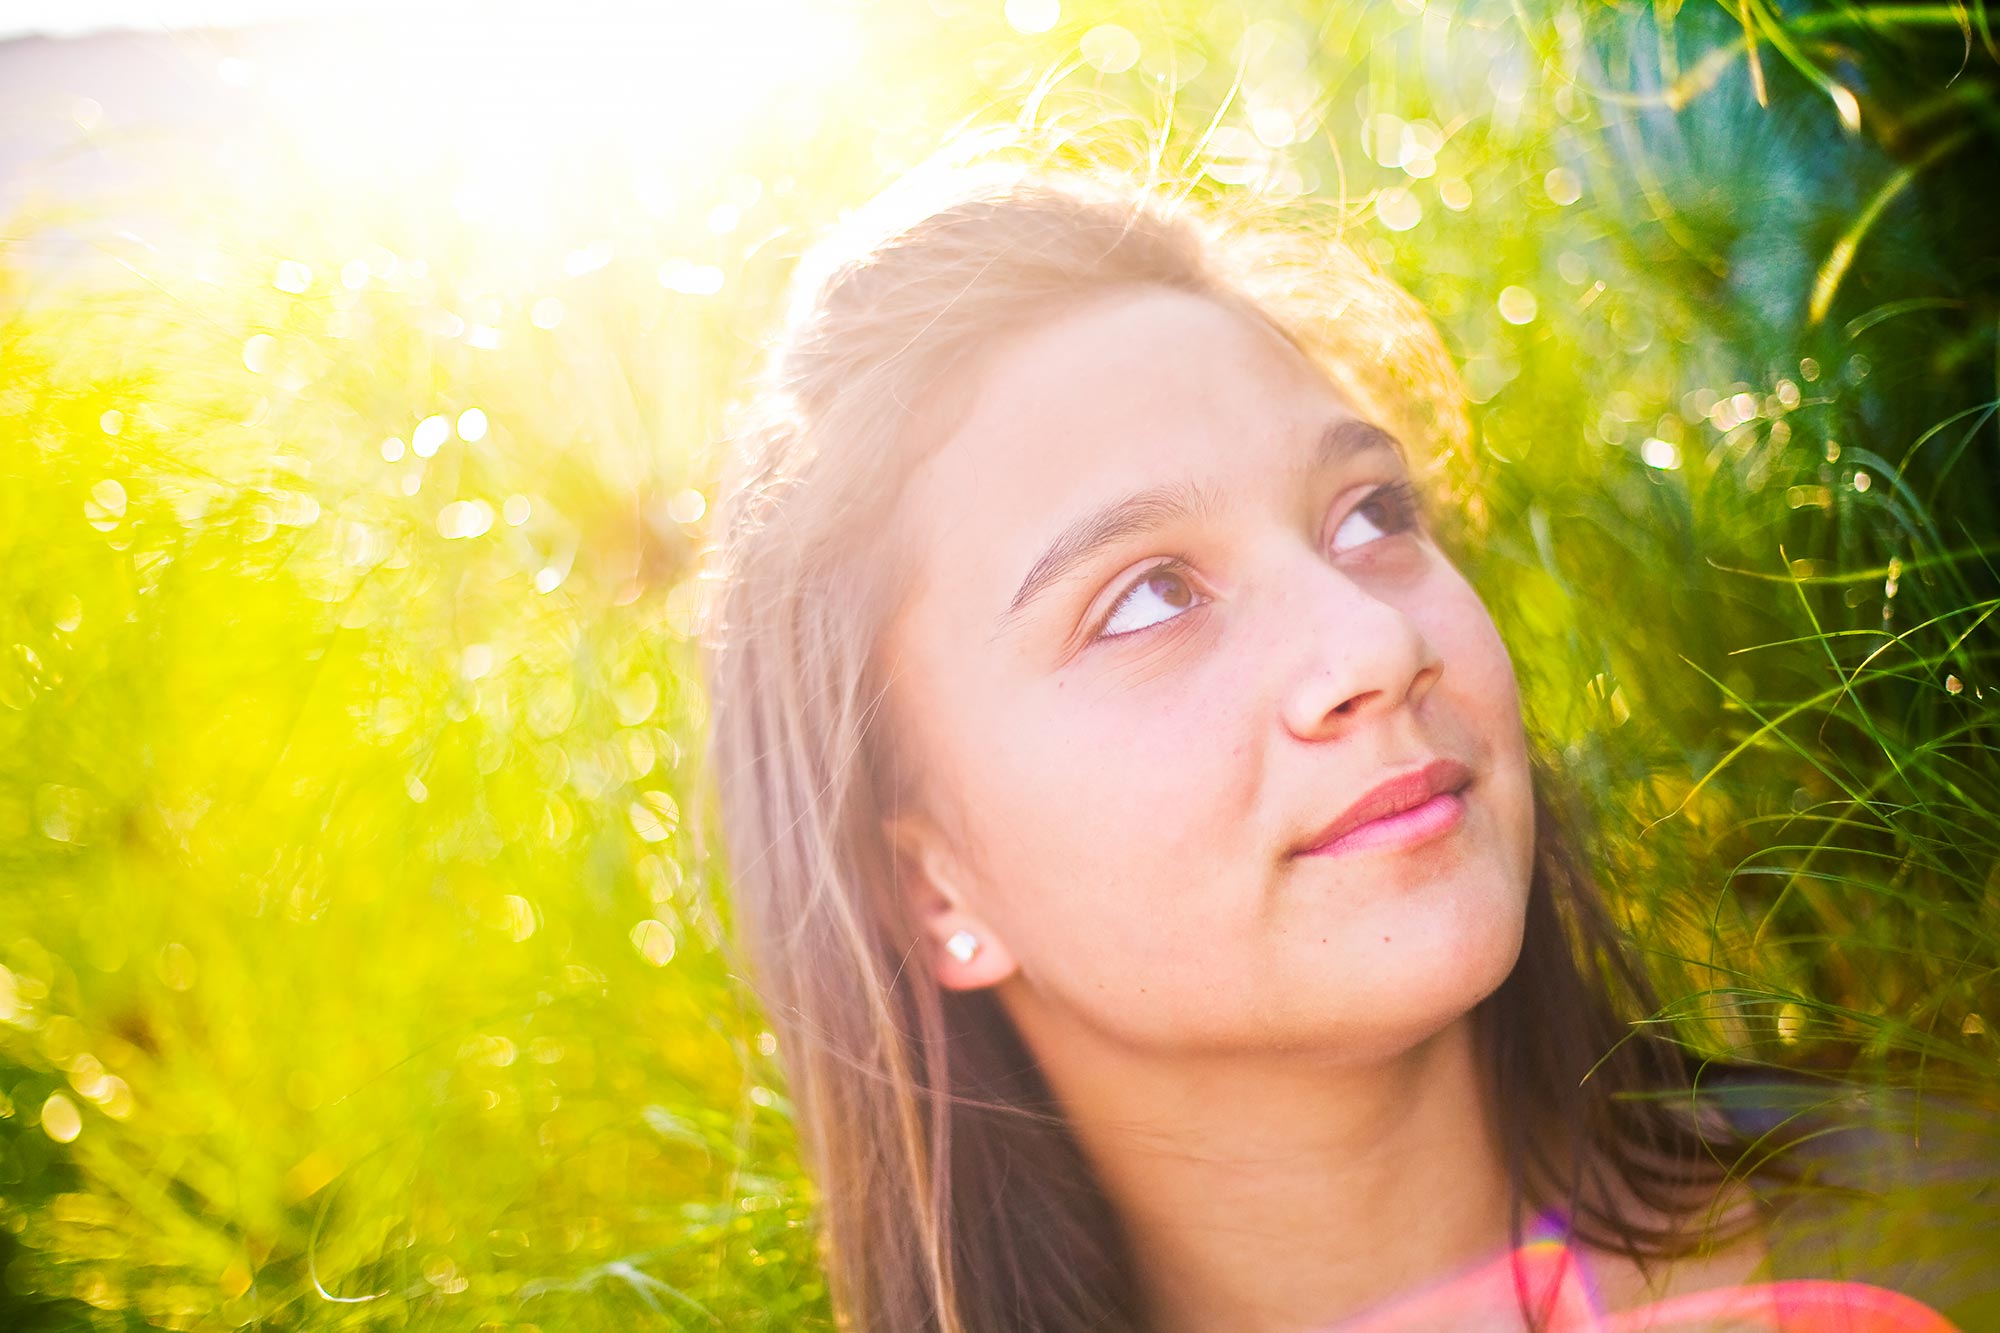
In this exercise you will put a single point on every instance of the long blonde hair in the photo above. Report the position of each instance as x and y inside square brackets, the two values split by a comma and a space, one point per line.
[914, 1104]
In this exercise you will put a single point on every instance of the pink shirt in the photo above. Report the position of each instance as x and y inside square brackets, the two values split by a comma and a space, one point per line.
[1558, 1280]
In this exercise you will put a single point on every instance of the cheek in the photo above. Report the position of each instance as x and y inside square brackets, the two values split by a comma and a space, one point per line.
[1486, 695]
[1108, 814]
[1173, 754]
[1478, 667]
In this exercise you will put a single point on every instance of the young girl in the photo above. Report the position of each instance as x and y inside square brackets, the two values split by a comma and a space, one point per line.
[1166, 921]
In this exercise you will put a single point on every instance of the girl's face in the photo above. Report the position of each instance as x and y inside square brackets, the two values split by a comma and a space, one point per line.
[1174, 615]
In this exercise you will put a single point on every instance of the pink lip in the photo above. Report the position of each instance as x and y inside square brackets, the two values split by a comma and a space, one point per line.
[1403, 829]
[1409, 808]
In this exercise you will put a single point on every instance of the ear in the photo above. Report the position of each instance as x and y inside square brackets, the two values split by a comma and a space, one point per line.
[934, 882]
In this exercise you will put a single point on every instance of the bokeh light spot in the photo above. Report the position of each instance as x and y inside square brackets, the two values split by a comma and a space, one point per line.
[1273, 126]
[1398, 208]
[106, 505]
[655, 816]
[654, 942]
[430, 433]
[176, 967]
[258, 349]
[588, 259]
[472, 425]
[1110, 49]
[1033, 16]
[517, 917]
[1847, 105]
[687, 506]
[114, 1097]
[679, 275]
[1517, 305]
[465, 518]
[637, 700]
[61, 1120]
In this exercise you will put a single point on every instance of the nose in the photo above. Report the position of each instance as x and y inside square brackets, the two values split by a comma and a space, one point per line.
[1362, 654]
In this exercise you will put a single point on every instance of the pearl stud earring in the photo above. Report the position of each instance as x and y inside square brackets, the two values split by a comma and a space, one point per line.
[962, 945]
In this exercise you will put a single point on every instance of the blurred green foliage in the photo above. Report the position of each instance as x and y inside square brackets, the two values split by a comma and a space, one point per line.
[360, 937]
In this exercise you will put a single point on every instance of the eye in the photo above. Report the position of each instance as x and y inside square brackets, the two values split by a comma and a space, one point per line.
[1390, 508]
[1165, 584]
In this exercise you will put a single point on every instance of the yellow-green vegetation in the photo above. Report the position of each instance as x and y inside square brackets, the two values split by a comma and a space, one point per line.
[361, 916]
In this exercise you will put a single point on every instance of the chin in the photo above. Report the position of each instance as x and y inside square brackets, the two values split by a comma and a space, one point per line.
[1433, 988]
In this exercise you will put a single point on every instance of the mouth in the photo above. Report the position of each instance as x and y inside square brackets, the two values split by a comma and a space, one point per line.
[1410, 808]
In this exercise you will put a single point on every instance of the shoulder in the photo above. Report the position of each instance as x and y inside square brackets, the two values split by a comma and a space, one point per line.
[1878, 1185]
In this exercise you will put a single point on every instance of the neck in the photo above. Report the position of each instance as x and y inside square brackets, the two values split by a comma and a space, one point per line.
[1270, 1191]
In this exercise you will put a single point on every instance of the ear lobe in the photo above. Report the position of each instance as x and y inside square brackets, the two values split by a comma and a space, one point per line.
[965, 952]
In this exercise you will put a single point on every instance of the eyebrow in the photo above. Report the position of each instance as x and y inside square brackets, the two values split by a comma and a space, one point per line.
[1159, 506]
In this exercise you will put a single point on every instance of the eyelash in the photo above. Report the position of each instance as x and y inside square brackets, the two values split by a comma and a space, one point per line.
[1403, 516]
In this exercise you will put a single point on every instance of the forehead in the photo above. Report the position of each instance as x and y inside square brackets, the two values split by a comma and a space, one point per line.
[1137, 387]
[1150, 356]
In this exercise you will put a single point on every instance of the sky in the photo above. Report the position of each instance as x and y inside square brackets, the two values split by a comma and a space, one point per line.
[68, 18]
